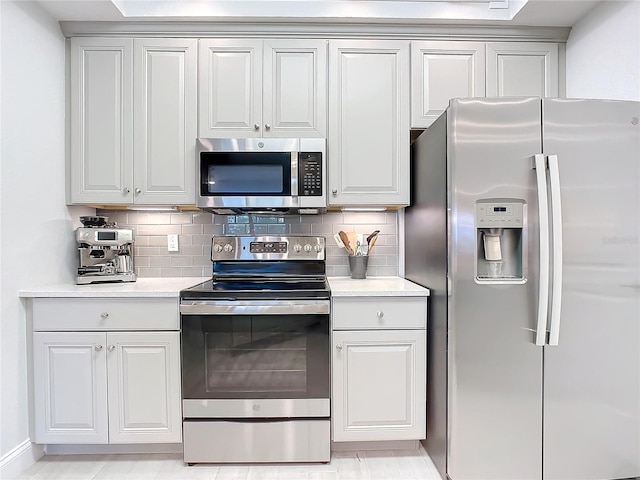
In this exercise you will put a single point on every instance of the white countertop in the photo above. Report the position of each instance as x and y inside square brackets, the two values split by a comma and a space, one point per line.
[375, 286]
[170, 287]
[143, 287]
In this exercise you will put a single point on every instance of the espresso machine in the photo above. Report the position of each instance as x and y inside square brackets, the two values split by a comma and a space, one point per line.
[105, 252]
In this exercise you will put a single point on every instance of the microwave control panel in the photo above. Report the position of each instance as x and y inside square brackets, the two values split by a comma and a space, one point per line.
[310, 174]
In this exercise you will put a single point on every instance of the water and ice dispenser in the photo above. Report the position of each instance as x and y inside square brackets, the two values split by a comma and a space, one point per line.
[499, 238]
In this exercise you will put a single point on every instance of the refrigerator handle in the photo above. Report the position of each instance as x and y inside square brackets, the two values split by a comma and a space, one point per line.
[556, 228]
[539, 165]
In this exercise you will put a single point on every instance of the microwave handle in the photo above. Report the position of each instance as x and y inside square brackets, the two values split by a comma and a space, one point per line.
[294, 174]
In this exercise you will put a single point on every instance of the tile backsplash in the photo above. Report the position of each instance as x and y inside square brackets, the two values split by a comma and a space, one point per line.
[195, 229]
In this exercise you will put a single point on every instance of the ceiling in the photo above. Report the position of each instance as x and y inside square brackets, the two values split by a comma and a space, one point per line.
[552, 13]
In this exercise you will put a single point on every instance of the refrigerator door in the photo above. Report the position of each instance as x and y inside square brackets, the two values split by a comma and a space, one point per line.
[494, 366]
[592, 378]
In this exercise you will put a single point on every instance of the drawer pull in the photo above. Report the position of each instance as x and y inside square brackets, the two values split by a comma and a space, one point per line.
[339, 347]
[104, 315]
[111, 348]
[97, 348]
[380, 314]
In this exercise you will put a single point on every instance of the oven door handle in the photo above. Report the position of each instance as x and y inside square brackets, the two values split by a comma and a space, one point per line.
[235, 307]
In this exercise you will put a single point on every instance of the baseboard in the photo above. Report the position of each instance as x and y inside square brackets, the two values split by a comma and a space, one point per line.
[19, 459]
[386, 445]
[65, 449]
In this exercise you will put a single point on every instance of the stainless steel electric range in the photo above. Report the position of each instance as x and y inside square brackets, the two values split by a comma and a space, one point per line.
[255, 353]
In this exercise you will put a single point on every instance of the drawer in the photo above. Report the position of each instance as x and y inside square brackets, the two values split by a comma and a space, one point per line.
[386, 313]
[67, 314]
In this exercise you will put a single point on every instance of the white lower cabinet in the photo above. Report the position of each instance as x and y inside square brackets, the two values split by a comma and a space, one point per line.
[99, 387]
[379, 371]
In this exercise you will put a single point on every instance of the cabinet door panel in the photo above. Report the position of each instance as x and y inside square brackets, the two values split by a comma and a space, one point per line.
[230, 88]
[165, 112]
[441, 71]
[379, 385]
[369, 112]
[295, 88]
[70, 387]
[144, 387]
[522, 69]
[101, 120]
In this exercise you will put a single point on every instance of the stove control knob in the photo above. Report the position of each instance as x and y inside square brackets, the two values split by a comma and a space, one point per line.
[318, 248]
[307, 248]
[228, 248]
[297, 248]
[217, 248]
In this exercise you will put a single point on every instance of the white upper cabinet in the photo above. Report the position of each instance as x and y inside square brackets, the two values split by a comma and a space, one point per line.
[165, 120]
[101, 167]
[255, 88]
[441, 71]
[133, 121]
[368, 154]
[522, 69]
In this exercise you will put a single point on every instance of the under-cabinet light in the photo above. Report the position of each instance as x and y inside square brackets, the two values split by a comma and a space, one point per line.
[151, 208]
[363, 209]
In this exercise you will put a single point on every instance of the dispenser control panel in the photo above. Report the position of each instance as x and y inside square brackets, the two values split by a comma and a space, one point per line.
[499, 215]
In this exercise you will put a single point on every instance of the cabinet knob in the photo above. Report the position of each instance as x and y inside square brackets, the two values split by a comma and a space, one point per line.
[138, 191]
[97, 348]
[267, 126]
[104, 315]
[334, 191]
[256, 126]
[111, 348]
[380, 314]
[339, 347]
[126, 190]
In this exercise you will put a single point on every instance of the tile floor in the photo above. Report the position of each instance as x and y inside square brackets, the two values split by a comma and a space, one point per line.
[369, 465]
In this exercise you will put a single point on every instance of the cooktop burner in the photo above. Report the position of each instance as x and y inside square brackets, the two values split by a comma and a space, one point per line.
[264, 267]
[254, 288]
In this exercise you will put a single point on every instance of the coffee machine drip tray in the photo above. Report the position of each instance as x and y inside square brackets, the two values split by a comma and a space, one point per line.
[105, 278]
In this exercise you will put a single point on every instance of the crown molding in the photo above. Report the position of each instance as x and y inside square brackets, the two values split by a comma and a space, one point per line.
[315, 29]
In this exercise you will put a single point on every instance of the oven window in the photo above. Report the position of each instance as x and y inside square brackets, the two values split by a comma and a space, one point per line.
[245, 173]
[262, 356]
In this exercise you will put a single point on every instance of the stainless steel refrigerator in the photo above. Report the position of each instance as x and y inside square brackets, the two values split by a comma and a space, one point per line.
[525, 224]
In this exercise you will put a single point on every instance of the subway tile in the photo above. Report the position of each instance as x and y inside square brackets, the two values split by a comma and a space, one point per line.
[171, 272]
[202, 218]
[169, 229]
[157, 241]
[147, 229]
[147, 251]
[201, 239]
[191, 250]
[141, 240]
[185, 240]
[192, 229]
[321, 228]
[181, 261]
[202, 261]
[213, 229]
[301, 229]
[141, 261]
[181, 218]
[277, 229]
[148, 272]
[160, 261]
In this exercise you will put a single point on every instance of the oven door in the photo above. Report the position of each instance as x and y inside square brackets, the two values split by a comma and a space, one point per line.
[237, 352]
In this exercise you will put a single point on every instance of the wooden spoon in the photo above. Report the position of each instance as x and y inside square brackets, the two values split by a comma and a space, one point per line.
[345, 240]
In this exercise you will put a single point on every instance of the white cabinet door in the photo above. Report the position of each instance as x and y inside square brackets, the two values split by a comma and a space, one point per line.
[368, 122]
[70, 387]
[522, 69]
[441, 71]
[230, 88]
[101, 167]
[144, 387]
[166, 120]
[295, 88]
[379, 385]
[251, 88]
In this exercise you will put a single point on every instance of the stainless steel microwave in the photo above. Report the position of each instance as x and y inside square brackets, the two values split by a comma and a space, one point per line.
[261, 175]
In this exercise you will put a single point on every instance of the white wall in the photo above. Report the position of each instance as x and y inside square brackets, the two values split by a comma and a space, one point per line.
[603, 53]
[36, 228]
